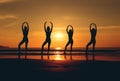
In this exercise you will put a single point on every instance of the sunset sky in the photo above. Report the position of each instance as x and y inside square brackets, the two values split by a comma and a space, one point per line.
[79, 13]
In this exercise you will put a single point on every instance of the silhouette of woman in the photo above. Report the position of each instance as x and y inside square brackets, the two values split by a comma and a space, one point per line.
[70, 41]
[25, 30]
[48, 39]
[93, 32]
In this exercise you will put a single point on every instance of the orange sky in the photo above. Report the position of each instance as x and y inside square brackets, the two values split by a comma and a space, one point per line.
[78, 13]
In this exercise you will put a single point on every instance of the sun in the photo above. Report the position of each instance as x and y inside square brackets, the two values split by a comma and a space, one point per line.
[59, 39]
[59, 35]
[58, 48]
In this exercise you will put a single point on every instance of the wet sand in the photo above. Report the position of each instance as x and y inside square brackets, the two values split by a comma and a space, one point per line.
[53, 70]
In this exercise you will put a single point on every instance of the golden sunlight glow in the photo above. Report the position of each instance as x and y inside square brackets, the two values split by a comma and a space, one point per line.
[57, 57]
[58, 48]
[59, 35]
[61, 16]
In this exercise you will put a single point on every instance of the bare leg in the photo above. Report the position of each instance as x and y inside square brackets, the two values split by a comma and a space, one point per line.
[65, 50]
[66, 47]
[43, 49]
[19, 53]
[86, 56]
[94, 43]
[49, 43]
[26, 44]
[43, 46]
[71, 50]
[87, 49]
[93, 50]
[88, 45]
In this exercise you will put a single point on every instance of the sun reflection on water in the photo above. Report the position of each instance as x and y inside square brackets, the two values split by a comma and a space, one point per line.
[57, 57]
[57, 54]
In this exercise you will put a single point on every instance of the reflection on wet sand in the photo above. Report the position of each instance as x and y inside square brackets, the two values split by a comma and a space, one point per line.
[57, 55]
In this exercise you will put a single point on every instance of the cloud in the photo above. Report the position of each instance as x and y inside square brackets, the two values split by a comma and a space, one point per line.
[2, 17]
[6, 1]
[70, 18]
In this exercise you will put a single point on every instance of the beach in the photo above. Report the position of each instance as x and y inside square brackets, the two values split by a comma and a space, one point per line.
[52, 70]
[105, 67]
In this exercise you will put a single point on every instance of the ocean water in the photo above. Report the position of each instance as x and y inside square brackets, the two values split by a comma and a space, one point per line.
[58, 55]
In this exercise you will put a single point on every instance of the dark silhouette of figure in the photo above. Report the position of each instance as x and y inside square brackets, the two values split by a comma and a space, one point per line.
[93, 31]
[25, 30]
[48, 31]
[70, 39]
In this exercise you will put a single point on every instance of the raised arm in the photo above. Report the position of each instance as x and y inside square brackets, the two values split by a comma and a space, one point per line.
[95, 26]
[67, 28]
[51, 26]
[91, 26]
[23, 26]
[27, 26]
[71, 27]
[45, 26]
